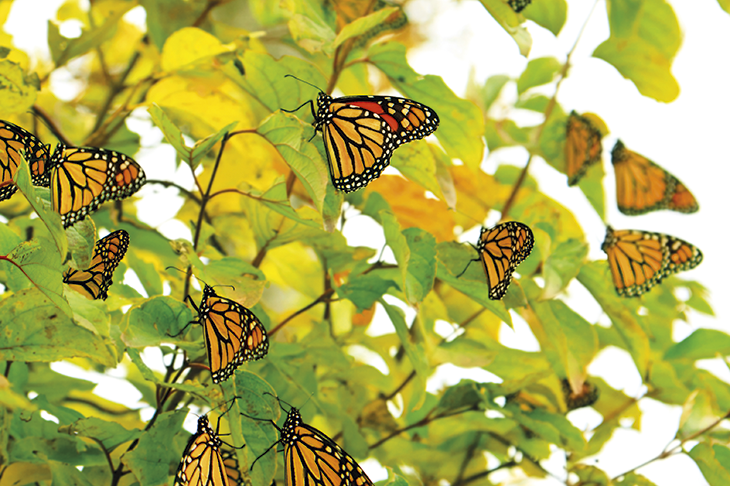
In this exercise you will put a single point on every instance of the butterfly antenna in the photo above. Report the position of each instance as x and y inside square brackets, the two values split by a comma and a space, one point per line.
[467, 266]
[262, 455]
[305, 82]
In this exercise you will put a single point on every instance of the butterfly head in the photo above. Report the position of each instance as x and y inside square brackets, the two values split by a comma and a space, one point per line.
[610, 239]
[618, 152]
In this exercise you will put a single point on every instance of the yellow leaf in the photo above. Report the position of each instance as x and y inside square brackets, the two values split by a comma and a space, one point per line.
[187, 46]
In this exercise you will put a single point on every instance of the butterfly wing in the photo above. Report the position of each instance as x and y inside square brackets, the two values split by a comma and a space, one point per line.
[518, 5]
[84, 178]
[642, 186]
[202, 463]
[233, 334]
[582, 147]
[15, 140]
[94, 282]
[501, 249]
[640, 259]
[361, 132]
[232, 468]
[313, 459]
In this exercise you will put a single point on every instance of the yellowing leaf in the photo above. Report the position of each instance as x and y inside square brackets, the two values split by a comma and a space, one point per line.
[17, 91]
[187, 46]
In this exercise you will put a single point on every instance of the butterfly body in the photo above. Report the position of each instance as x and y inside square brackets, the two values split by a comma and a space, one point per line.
[311, 458]
[641, 259]
[642, 186]
[233, 334]
[84, 178]
[205, 463]
[15, 140]
[501, 249]
[361, 132]
[95, 281]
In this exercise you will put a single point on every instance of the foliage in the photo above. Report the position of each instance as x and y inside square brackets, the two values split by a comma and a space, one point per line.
[264, 218]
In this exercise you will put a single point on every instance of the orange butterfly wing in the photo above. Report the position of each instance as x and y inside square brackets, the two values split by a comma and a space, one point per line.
[94, 282]
[233, 334]
[13, 141]
[582, 147]
[202, 463]
[640, 259]
[501, 249]
[642, 186]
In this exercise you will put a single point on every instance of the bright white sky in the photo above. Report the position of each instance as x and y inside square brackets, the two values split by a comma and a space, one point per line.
[688, 137]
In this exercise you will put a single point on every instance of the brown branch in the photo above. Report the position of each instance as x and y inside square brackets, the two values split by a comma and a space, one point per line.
[424, 421]
[321, 298]
[41, 113]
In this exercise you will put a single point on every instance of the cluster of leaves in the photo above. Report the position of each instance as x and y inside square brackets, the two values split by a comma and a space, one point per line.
[266, 220]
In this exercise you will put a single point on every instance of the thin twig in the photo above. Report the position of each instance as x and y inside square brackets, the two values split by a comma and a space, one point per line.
[548, 111]
[321, 298]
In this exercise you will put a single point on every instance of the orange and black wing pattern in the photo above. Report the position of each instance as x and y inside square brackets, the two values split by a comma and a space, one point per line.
[233, 334]
[313, 459]
[642, 186]
[84, 178]
[640, 259]
[582, 147]
[94, 282]
[202, 463]
[361, 132]
[15, 140]
[501, 249]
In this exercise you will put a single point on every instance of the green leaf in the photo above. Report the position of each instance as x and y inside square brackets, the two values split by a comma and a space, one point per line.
[111, 434]
[418, 162]
[538, 72]
[633, 479]
[421, 267]
[452, 259]
[701, 344]
[591, 475]
[713, 461]
[365, 290]
[562, 266]
[550, 14]
[362, 25]
[285, 134]
[154, 322]
[266, 83]
[462, 123]
[150, 460]
[18, 91]
[64, 49]
[192, 155]
[150, 376]
[147, 273]
[67, 475]
[510, 22]
[645, 37]
[595, 277]
[164, 17]
[492, 88]
[249, 418]
[414, 351]
[312, 25]
[35, 330]
[725, 5]
[50, 218]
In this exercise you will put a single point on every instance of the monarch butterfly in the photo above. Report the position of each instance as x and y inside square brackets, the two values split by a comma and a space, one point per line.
[313, 459]
[94, 282]
[585, 397]
[519, 5]
[233, 334]
[501, 249]
[361, 132]
[206, 462]
[84, 178]
[639, 259]
[642, 186]
[13, 141]
[582, 147]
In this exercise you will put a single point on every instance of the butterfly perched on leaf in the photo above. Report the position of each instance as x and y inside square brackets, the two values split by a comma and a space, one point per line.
[14, 141]
[94, 282]
[83, 178]
[311, 458]
[642, 186]
[207, 461]
[501, 249]
[233, 334]
[361, 132]
[640, 259]
[582, 147]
